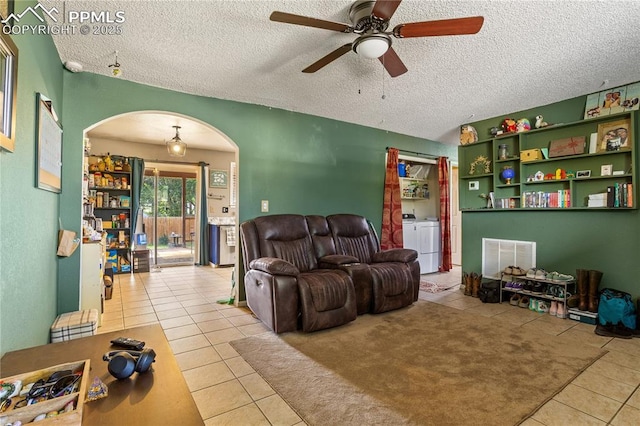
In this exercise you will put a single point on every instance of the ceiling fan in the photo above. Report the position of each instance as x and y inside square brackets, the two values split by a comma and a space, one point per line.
[370, 20]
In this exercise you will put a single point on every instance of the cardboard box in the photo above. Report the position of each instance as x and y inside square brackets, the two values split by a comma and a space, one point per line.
[583, 316]
[27, 413]
[530, 155]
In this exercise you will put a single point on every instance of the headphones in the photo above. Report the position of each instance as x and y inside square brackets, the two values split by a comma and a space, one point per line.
[123, 364]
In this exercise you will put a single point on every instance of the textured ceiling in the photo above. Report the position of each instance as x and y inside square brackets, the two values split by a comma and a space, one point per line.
[528, 53]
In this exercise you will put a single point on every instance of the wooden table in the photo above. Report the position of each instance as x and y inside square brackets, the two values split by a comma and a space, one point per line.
[158, 397]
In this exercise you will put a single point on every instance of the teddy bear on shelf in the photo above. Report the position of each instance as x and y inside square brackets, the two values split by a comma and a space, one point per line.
[523, 125]
[509, 125]
[468, 135]
[540, 123]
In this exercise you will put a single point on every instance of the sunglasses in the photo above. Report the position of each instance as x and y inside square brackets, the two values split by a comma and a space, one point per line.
[58, 384]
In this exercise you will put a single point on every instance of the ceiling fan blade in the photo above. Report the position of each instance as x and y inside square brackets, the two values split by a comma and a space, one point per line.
[328, 59]
[289, 18]
[443, 27]
[392, 63]
[384, 9]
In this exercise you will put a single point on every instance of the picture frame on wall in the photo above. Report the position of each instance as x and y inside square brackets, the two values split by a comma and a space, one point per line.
[49, 146]
[218, 179]
[614, 136]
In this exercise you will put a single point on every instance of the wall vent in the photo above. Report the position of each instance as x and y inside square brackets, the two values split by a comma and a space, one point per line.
[498, 254]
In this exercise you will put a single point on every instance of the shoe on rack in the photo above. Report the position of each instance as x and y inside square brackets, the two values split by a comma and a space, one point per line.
[508, 270]
[611, 330]
[524, 302]
[541, 274]
[562, 278]
[531, 273]
[515, 299]
[533, 304]
[538, 287]
[528, 285]
[517, 271]
[542, 307]
[508, 285]
[552, 290]
[553, 309]
[516, 285]
[551, 276]
[562, 311]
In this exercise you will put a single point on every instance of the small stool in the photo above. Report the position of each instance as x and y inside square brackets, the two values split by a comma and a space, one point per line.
[74, 325]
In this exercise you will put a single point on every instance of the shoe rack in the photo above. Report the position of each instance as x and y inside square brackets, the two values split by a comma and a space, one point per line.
[522, 280]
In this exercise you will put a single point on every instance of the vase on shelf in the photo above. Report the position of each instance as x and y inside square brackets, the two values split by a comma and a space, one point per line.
[507, 174]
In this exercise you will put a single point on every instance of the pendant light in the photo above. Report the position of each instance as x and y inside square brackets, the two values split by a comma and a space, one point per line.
[175, 147]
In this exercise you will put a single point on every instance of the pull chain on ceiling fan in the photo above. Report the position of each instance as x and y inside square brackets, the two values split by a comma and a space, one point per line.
[370, 20]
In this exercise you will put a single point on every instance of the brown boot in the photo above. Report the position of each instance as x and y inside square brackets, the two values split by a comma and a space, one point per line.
[466, 280]
[582, 276]
[477, 280]
[594, 297]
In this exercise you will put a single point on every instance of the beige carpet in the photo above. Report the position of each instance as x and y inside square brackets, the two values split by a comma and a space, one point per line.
[426, 364]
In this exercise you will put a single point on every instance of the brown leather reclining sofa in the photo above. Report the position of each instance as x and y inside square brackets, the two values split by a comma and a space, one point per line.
[319, 272]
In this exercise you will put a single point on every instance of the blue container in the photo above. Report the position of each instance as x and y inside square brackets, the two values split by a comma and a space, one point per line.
[402, 170]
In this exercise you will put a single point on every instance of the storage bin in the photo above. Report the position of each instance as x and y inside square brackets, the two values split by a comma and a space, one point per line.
[27, 413]
[530, 155]
[141, 261]
[74, 325]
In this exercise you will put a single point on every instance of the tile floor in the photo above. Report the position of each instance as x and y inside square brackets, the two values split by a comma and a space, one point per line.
[228, 391]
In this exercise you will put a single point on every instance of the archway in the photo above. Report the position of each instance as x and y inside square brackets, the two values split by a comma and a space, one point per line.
[143, 134]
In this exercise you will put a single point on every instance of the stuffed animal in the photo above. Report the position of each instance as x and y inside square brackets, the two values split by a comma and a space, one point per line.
[468, 135]
[523, 125]
[540, 123]
[509, 125]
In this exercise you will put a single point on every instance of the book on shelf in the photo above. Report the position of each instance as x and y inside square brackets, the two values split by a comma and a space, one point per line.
[620, 195]
[559, 199]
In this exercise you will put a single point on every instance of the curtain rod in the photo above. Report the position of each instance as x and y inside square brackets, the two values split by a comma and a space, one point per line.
[184, 163]
[416, 153]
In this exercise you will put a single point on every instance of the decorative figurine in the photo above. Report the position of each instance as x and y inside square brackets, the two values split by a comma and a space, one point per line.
[540, 123]
[523, 125]
[509, 125]
[495, 131]
[97, 390]
[468, 134]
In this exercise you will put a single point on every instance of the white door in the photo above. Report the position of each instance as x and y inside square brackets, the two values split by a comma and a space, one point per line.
[456, 219]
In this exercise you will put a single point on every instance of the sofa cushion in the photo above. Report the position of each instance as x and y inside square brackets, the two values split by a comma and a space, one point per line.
[286, 237]
[327, 299]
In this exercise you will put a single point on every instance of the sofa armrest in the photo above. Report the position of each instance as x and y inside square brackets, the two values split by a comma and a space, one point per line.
[395, 255]
[332, 261]
[274, 266]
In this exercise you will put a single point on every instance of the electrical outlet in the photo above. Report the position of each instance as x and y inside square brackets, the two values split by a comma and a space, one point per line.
[225, 210]
[264, 206]
[474, 185]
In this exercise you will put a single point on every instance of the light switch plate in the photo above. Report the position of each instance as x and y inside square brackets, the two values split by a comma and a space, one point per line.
[474, 185]
[264, 206]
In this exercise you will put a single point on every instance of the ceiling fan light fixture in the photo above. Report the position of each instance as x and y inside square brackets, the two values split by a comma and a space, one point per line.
[175, 147]
[372, 46]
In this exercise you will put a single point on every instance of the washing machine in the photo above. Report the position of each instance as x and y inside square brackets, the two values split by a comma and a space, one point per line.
[424, 237]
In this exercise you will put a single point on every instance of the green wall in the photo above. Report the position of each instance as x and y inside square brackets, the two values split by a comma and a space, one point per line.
[300, 163]
[606, 240]
[28, 216]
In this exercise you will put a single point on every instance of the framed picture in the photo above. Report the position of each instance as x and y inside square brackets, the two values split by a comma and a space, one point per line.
[49, 146]
[614, 136]
[218, 179]
[583, 173]
[8, 87]
[606, 169]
